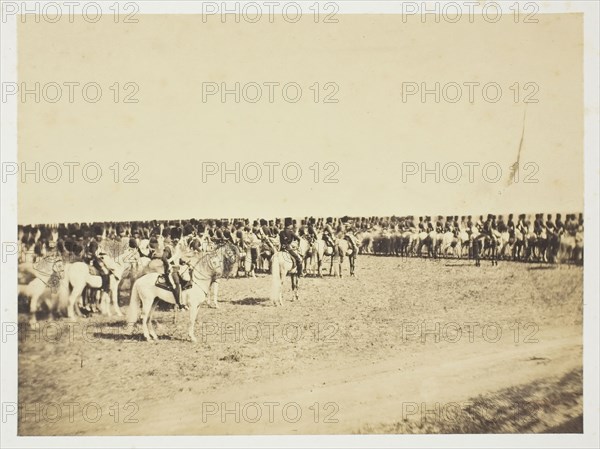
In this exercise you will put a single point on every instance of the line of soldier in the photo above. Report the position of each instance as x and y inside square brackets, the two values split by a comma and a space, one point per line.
[492, 225]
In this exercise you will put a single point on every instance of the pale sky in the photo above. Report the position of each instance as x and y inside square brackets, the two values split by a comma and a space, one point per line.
[368, 133]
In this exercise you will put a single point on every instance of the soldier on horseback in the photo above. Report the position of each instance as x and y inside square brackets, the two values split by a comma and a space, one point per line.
[349, 235]
[510, 226]
[501, 224]
[550, 227]
[439, 225]
[92, 257]
[328, 233]
[165, 254]
[286, 238]
[560, 226]
[311, 233]
[263, 232]
[538, 224]
[428, 224]
[522, 225]
[421, 225]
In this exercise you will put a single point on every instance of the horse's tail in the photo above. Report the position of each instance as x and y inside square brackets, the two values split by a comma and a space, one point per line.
[275, 277]
[133, 312]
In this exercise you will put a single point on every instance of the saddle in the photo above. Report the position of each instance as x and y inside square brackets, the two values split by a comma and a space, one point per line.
[294, 268]
[163, 282]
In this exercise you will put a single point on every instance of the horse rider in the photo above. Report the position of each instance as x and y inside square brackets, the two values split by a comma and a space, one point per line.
[439, 225]
[265, 234]
[227, 234]
[302, 229]
[92, 257]
[550, 227]
[165, 254]
[350, 237]
[421, 225]
[560, 226]
[510, 226]
[286, 238]
[311, 233]
[134, 247]
[538, 224]
[429, 224]
[216, 236]
[327, 233]
[448, 225]
[522, 226]
[479, 223]
[239, 235]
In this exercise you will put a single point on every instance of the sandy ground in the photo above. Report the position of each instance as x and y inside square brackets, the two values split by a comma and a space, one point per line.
[407, 346]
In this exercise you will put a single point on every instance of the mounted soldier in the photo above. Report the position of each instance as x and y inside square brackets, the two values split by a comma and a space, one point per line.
[287, 237]
[560, 226]
[92, 257]
[550, 226]
[428, 224]
[538, 224]
[522, 225]
[351, 238]
[311, 233]
[328, 233]
[265, 234]
[439, 225]
[421, 225]
[165, 254]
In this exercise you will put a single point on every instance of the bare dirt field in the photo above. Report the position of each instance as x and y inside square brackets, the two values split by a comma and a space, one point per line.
[406, 346]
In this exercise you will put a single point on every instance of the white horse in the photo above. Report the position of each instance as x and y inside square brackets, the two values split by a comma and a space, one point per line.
[314, 261]
[450, 245]
[318, 251]
[342, 249]
[78, 276]
[251, 244]
[48, 284]
[282, 263]
[205, 270]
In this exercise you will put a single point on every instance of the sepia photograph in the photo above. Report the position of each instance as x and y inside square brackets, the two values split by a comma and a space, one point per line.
[328, 223]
